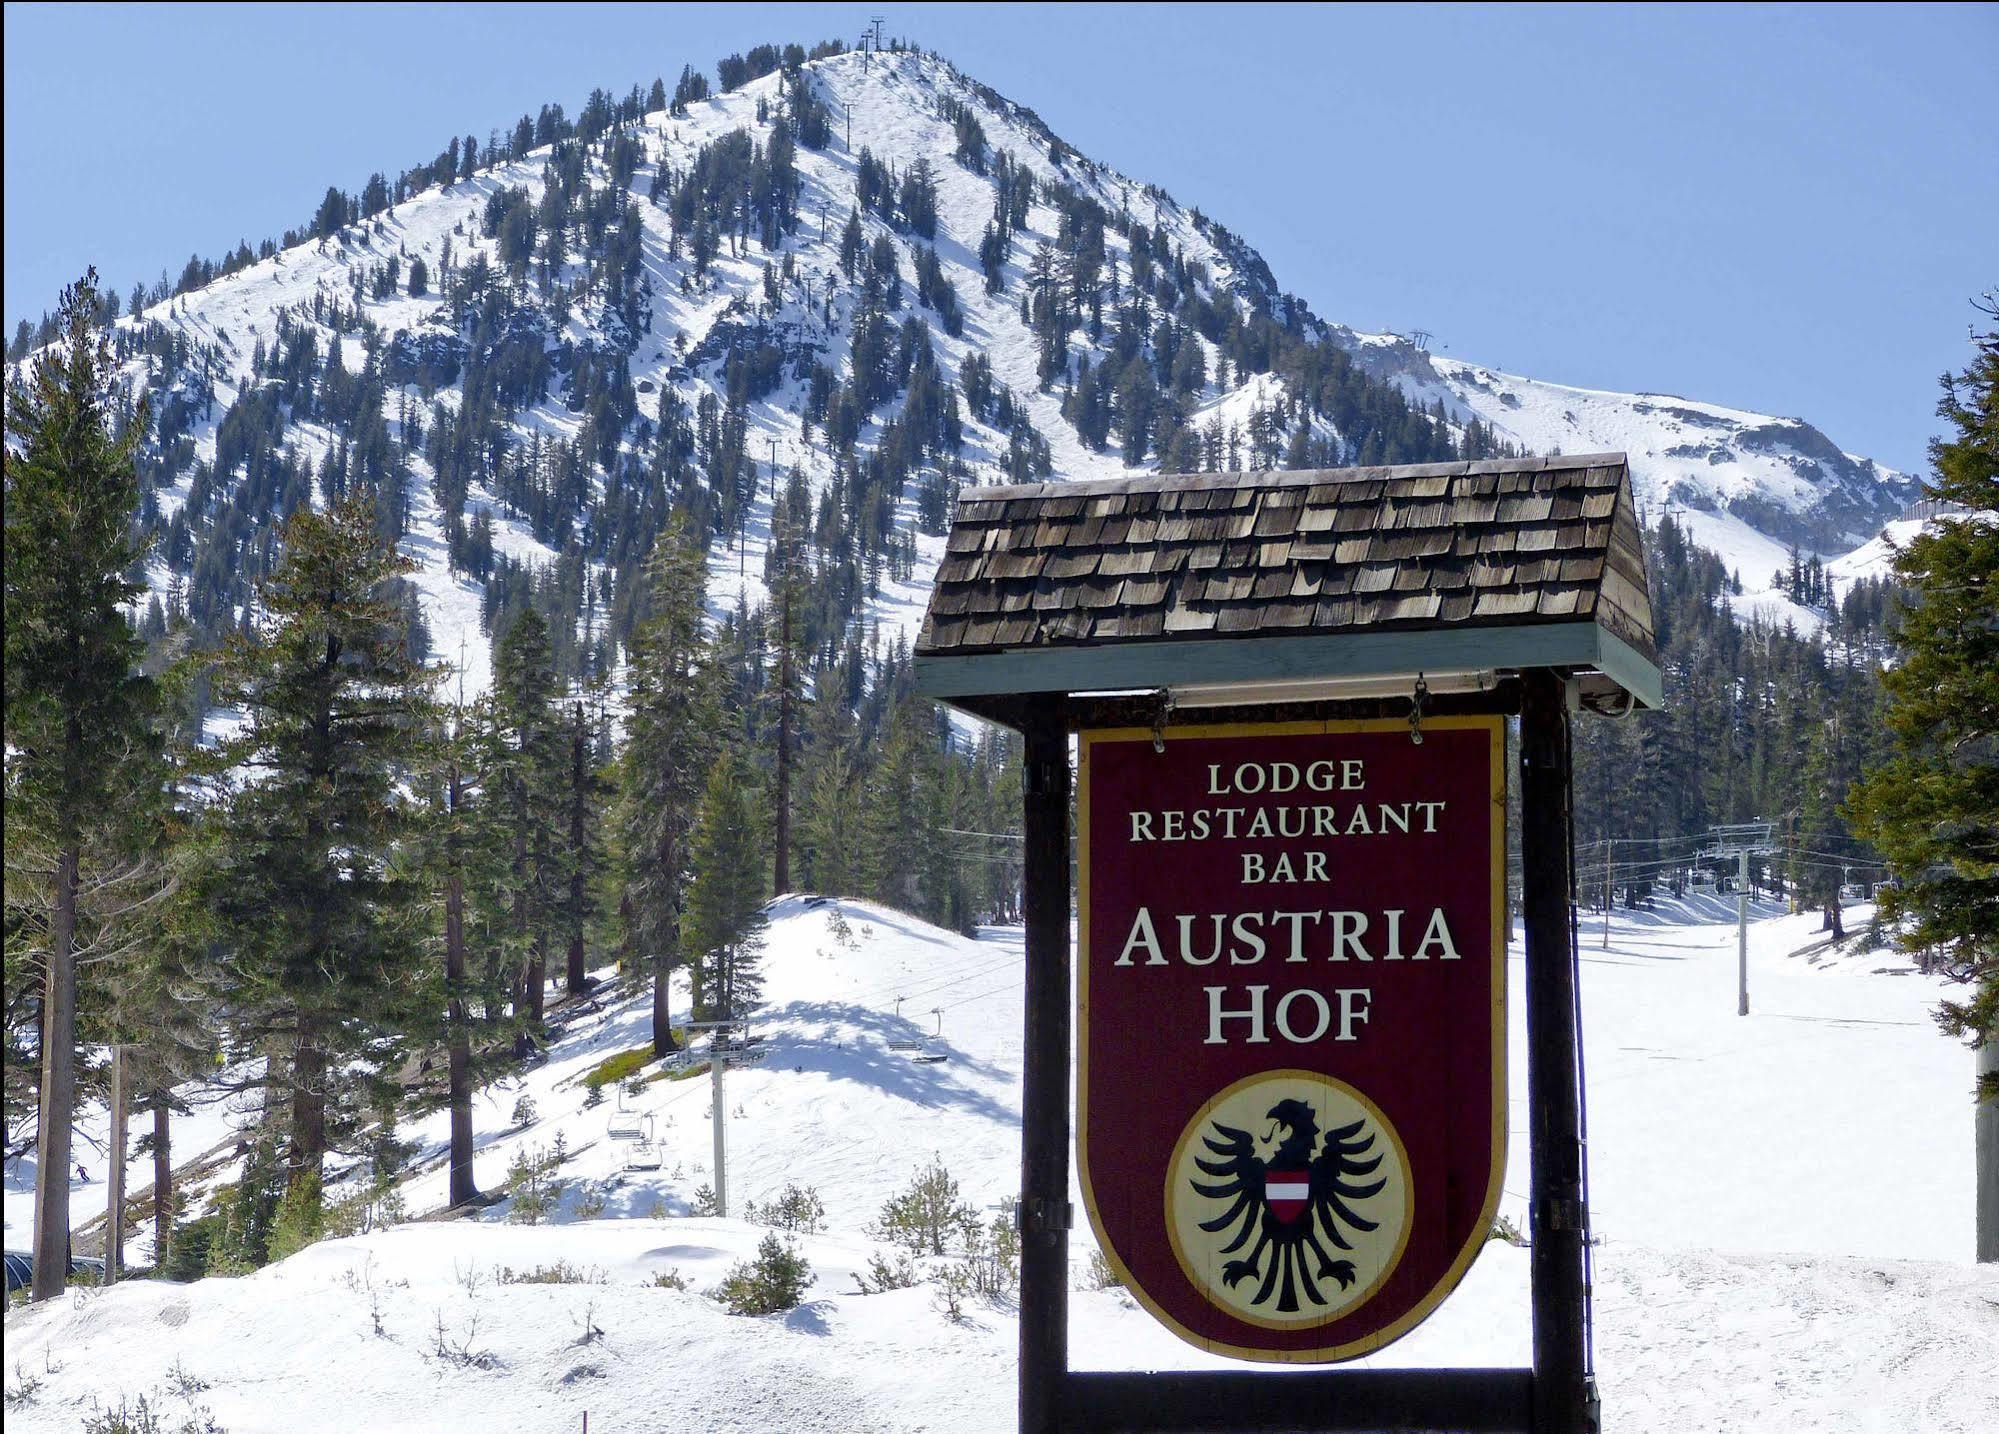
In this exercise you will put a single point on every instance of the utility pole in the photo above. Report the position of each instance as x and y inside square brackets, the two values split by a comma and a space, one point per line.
[1741, 842]
[717, 1063]
[1606, 886]
[1742, 933]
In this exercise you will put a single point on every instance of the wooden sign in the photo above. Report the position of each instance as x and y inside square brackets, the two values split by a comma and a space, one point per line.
[1292, 1029]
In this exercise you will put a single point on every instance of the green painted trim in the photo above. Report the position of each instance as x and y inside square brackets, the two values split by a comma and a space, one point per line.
[1112, 667]
[1630, 669]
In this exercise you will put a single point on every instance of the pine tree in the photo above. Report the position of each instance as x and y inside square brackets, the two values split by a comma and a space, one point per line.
[788, 643]
[466, 866]
[1933, 809]
[829, 819]
[725, 900]
[523, 764]
[76, 700]
[670, 738]
[318, 912]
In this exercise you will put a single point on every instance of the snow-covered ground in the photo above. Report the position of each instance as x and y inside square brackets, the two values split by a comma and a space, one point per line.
[1783, 1202]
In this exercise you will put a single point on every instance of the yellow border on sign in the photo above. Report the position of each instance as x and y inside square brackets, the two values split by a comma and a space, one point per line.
[1388, 1131]
[1475, 1241]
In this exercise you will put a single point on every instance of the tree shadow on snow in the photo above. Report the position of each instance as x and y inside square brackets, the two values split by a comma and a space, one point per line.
[851, 1043]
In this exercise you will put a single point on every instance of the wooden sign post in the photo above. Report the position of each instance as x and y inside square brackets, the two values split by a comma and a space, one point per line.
[1289, 964]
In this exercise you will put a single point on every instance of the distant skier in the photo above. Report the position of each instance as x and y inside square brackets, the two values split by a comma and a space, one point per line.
[82, 1174]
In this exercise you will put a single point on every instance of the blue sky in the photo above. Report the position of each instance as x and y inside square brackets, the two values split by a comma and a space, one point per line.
[1781, 208]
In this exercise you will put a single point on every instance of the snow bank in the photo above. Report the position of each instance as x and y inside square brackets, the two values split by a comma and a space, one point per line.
[1783, 1200]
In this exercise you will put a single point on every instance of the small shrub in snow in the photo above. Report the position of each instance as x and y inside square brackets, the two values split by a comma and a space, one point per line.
[301, 1217]
[593, 1096]
[884, 1273]
[459, 1349]
[559, 1273]
[656, 1210]
[188, 1249]
[524, 1112]
[363, 1211]
[1101, 1275]
[841, 932]
[704, 1201]
[183, 1383]
[144, 1417]
[25, 1386]
[769, 1284]
[951, 1292]
[534, 1190]
[991, 1267]
[1505, 1229]
[926, 1214]
[669, 1280]
[591, 1204]
[795, 1208]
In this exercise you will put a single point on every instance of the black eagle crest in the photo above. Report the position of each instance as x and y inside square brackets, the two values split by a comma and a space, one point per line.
[1295, 1203]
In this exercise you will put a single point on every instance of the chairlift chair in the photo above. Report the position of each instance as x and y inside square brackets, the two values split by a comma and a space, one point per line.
[933, 1050]
[903, 1047]
[644, 1155]
[625, 1125]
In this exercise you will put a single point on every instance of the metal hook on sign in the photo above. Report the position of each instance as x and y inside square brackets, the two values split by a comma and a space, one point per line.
[1160, 718]
[1416, 710]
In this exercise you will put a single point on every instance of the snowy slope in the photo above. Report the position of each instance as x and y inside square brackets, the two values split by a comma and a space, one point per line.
[1741, 1167]
[891, 105]
[1747, 485]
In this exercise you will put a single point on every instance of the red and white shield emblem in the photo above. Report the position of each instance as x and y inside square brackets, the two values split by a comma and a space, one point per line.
[1287, 1192]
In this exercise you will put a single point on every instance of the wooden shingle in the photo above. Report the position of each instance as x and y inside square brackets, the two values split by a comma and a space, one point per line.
[1215, 555]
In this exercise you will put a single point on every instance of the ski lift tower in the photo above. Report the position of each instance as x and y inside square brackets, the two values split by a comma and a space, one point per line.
[720, 1052]
[1741, 841]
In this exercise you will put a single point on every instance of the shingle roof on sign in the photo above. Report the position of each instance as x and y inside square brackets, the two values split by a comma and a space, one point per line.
[1272, 554]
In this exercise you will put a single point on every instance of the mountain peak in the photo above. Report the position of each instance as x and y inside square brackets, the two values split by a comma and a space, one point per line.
[820, 302]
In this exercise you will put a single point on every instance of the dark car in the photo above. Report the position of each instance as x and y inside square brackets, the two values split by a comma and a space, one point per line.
[21, 1269]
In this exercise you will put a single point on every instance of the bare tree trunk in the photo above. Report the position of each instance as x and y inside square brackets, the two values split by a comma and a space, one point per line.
[459, 1056]
[114, 1179]
[576, 978]
[628, 959]
[308, 1153]
[537, 992]
[662, 1008]
[163, 1178]
[58, 1098]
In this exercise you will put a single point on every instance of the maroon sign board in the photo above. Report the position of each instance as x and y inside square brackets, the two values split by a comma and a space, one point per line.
[1291, 1029]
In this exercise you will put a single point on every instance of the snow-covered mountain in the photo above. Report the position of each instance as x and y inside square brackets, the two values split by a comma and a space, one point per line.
[663, 330]
[1748, 486]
